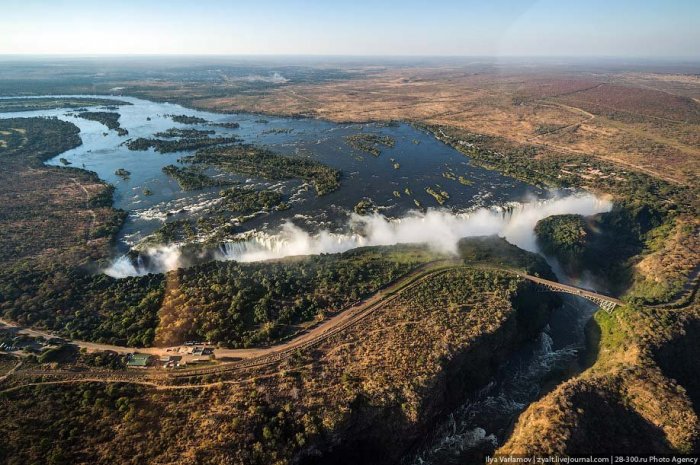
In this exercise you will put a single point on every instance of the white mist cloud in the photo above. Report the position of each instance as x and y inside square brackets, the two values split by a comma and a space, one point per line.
[440, 229]
[274, 78]
[160, 259]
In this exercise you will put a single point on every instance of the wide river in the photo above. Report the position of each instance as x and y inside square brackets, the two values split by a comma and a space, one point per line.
[490, 204]
[394, 181]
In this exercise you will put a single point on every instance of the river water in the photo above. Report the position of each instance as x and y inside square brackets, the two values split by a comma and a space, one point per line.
[480, 425]
[417, 161]
[491, 204]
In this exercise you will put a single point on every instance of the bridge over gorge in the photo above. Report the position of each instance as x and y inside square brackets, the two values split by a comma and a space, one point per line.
[606, 303]
[256, 357]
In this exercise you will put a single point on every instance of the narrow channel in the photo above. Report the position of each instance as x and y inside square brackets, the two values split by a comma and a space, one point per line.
[482, 423]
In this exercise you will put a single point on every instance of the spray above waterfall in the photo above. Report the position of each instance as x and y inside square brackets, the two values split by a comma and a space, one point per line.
[439, 229]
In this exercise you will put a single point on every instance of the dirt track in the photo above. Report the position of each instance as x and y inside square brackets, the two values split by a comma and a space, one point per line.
[305, 337]
[247, 358]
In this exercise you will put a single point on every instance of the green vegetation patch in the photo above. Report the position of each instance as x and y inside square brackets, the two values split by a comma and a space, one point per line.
[31, 141]
[186, 119]
[122, 173]
[258, 161]
[465, 181]
[109, 119]
[365, 207]
[179, 145]
[190, 178]
[370, 143]
[171, 232]
[228, 125]
[563, 236]
[245, 200]
[278, 131]
[50, 103]
[438, 194]
[188, 133]
[496, 252]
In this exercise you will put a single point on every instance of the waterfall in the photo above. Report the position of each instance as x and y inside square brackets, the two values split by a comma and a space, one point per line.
[438, 228]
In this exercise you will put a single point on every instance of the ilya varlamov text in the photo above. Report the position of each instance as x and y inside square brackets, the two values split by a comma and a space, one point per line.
[593, 459]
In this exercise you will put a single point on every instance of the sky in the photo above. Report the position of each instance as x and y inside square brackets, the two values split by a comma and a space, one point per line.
[587, 28]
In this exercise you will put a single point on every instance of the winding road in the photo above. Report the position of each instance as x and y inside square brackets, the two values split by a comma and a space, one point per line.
[339, 319]
[237, 359]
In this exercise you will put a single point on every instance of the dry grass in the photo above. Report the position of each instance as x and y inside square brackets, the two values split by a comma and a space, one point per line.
[672, 265]
[620, 118]
[627, 410]
[383, 378]
[631, 400]
[45, 214]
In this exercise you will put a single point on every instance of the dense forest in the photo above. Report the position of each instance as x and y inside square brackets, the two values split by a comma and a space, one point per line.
[245, 304]
[564, 237]
[258, 161]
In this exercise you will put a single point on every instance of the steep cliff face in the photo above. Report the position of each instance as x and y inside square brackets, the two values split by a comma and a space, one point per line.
[601, 246]
[565, 237]
[383, 434]
[639, 397]
[583, 416]
[679, 359]
[367, 394]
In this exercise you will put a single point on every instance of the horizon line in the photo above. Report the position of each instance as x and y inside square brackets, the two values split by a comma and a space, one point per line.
[347, 55]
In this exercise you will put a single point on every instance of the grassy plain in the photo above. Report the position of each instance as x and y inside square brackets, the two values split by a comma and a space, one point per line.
[651, 126]
[49, 214]
[639, 115]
